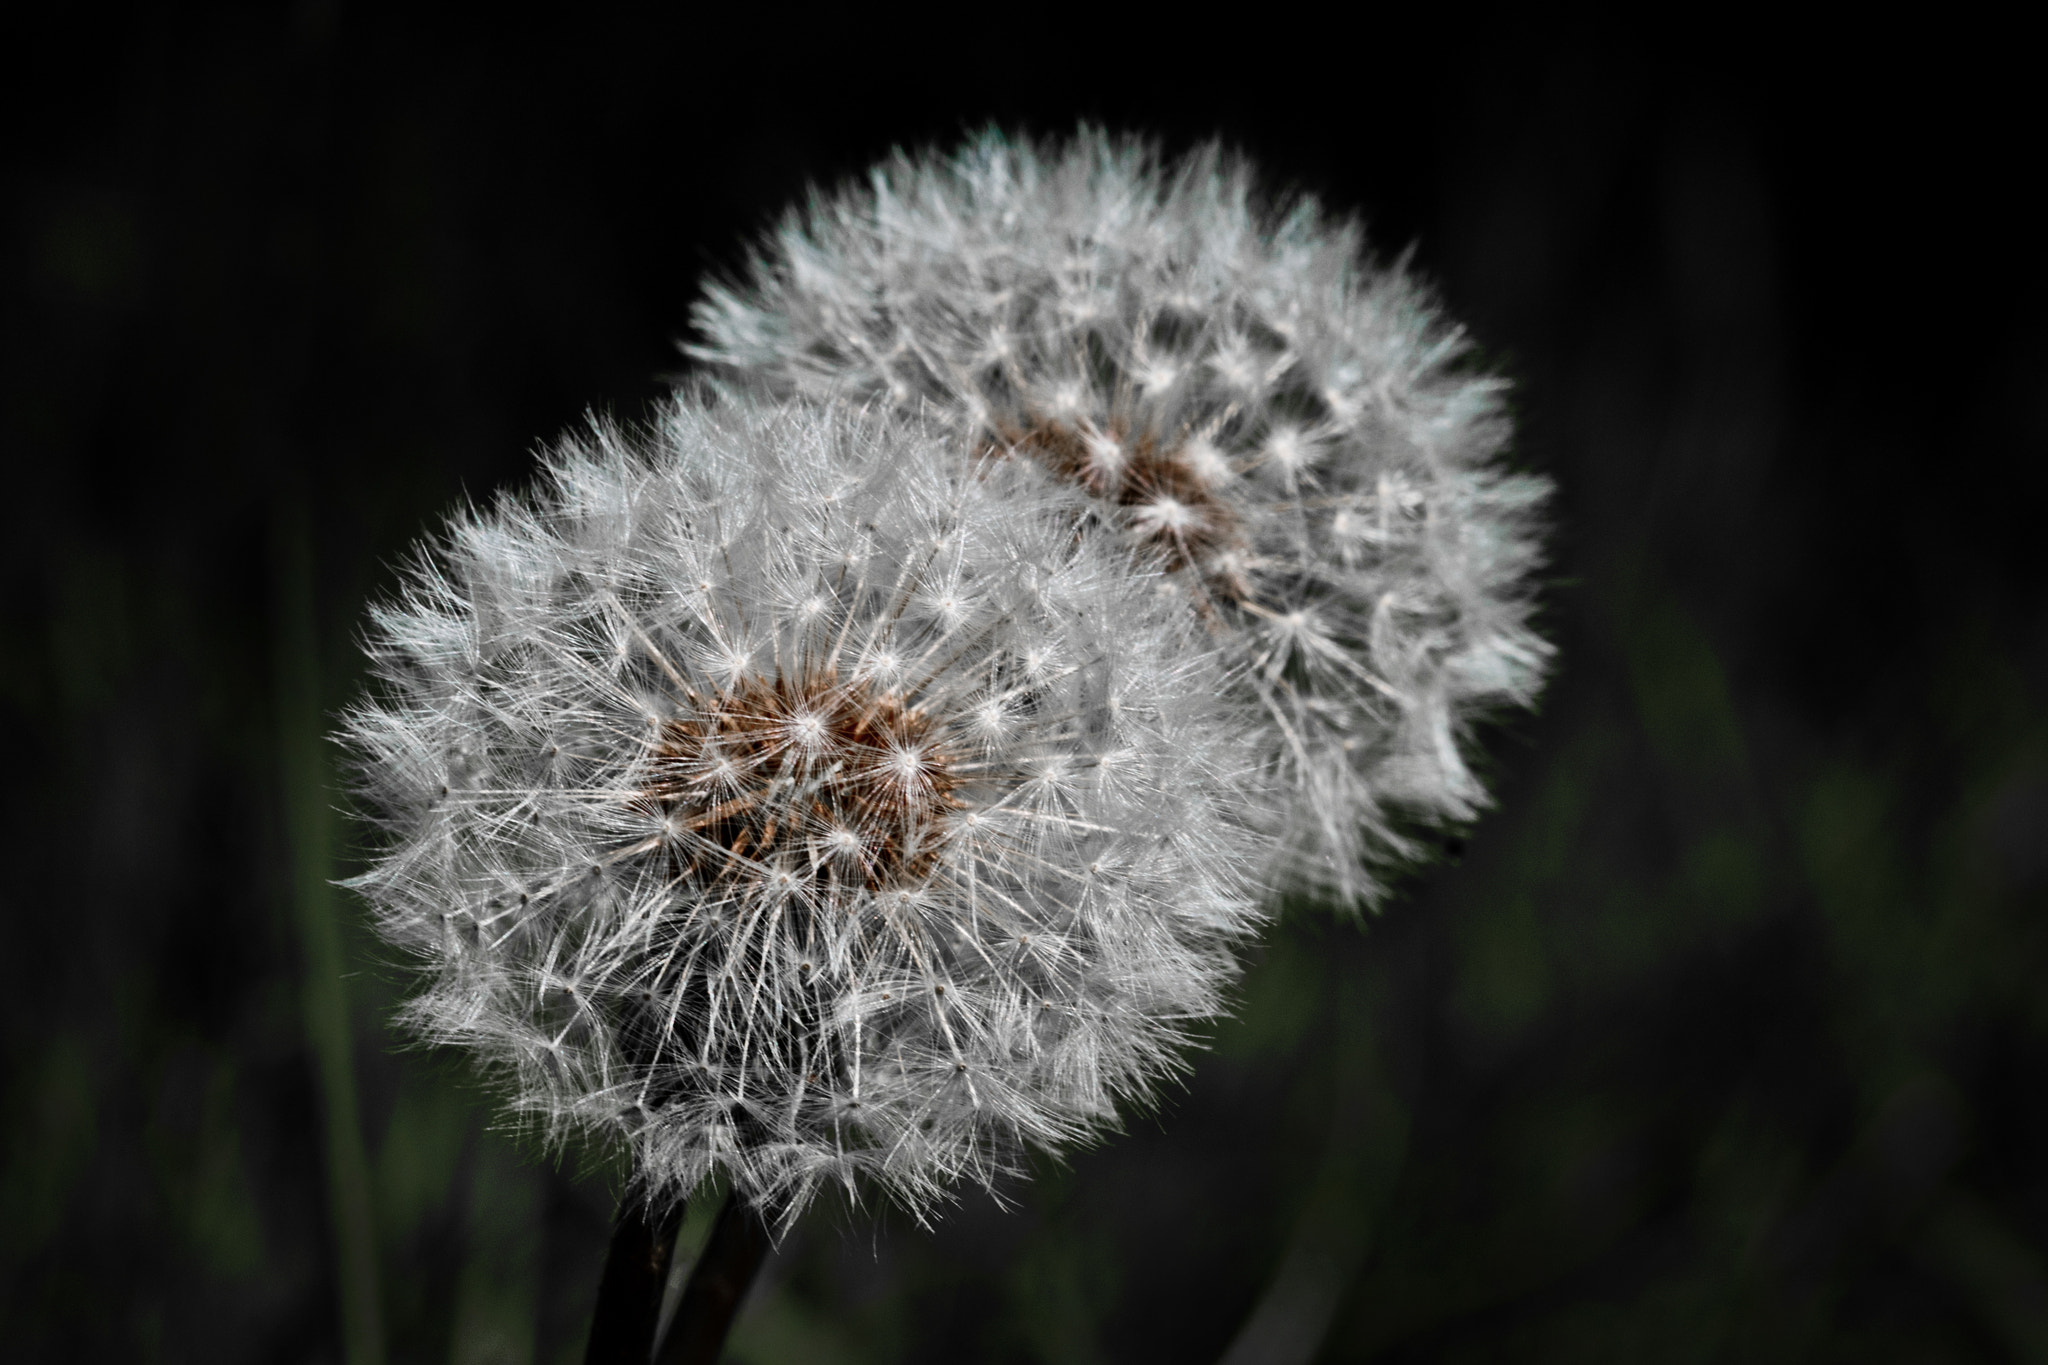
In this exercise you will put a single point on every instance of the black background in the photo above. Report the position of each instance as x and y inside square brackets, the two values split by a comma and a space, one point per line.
[1722, 1037]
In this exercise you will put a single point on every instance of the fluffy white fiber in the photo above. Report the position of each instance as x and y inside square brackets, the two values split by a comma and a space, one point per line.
[793, 797]
[1293, 433]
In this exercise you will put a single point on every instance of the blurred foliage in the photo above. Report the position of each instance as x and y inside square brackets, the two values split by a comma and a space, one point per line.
[1720, 1039]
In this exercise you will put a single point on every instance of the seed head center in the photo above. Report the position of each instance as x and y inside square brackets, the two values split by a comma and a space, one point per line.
[1168, 497]
[815, 780]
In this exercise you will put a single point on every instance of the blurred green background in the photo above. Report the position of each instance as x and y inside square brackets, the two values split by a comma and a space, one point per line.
[1721, 1038]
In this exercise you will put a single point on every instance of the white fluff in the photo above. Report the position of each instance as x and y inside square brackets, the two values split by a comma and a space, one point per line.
[1294, 433]
[788, 796]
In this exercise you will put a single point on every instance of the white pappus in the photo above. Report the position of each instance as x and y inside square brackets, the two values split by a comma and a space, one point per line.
[787, 797]
[1294, 433]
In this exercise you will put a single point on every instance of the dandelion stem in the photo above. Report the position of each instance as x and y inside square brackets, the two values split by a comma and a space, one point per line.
[718, 1284]
[635, 1273]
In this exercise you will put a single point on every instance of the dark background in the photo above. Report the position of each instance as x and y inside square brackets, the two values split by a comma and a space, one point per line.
[1722, 1038]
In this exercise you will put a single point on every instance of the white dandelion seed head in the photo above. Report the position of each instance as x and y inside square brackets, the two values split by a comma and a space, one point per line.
[1295, 427]
[747, 897]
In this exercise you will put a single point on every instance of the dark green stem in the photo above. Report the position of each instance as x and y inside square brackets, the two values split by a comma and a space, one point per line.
[635, 1273]
[718, 1284]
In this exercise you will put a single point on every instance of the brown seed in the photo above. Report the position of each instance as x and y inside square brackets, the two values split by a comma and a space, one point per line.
[1150, 473]
[845, 770]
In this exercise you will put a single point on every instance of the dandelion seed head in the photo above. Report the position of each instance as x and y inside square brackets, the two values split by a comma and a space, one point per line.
[1276, 421]
[756, 913]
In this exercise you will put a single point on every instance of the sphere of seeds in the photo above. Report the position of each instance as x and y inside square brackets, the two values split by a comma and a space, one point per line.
[1290, 431]
[789, 797]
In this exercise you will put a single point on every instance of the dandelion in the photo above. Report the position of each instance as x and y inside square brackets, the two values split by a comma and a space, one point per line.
[1296, 435]
[787, 799]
